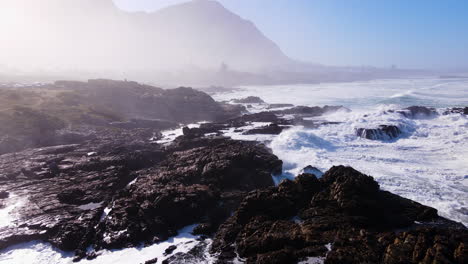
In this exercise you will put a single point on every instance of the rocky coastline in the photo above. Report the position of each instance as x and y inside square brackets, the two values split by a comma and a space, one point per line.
[112, 185]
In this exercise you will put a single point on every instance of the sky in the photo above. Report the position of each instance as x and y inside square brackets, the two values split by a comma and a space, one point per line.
[430, 34]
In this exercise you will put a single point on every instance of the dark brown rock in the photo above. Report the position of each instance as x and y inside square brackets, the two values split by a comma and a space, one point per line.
[191, 185]
[383, 132]
[344, 210]
[416, 112]
[272, 129]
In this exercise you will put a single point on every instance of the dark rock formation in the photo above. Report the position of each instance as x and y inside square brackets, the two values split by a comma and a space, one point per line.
[198, 254]
[67, 188]
[65, 183]
[249, 100]
[152, 261]
[457, 110]
[257, 117]
[272, 129]
[344, 210]
[4, 195]
[201, 184]
[169, 250]
[383, 132]
[415, 112]
[312, 170]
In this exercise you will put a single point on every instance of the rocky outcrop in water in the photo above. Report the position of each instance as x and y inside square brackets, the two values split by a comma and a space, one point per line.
[342, 217]
[249, 100]
[272, 129]
[458, 110]
[383, 132]
[415, 112]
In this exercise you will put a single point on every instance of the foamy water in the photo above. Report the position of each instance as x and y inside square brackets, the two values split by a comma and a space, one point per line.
[429, 163]
[36, 252]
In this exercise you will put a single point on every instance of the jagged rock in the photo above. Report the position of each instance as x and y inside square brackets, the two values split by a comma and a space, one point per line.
[345, 211]
[191, 185]
[249, 100]
[206, 128]
[62, 184]
[312, 170]
[257, 117]
[152, 261]
[457, 110]
[272, 129]
[416, 112]
[169, 250]
[383, 132]
[195, 255]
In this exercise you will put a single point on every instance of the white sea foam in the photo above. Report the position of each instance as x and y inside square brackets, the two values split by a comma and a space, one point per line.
[428, 163]
[171, 134]
[37, 252]
[10, 212]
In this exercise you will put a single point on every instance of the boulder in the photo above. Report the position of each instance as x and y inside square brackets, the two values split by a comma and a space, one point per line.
[416, 112]
[383, 132]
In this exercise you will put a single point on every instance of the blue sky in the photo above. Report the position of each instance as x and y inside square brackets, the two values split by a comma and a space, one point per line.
[407, 33]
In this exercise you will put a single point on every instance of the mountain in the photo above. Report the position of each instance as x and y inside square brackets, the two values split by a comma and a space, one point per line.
[94, 35]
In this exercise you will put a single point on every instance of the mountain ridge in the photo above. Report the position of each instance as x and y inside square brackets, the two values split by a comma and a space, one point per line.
[200, 34]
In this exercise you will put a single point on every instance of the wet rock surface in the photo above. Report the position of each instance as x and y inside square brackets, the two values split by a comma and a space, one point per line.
[383, 132]
[459, 110]
[202, 184]
[272, 129]
[65, 188]
[114, 193]
[343, 217]
[415, 112]
[112, 187]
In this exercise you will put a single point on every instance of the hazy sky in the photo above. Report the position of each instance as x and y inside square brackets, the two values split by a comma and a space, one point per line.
[408, 33]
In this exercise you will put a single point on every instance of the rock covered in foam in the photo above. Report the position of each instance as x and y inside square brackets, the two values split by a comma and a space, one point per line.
[383, 132]
[456, 110]
[415, 112]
